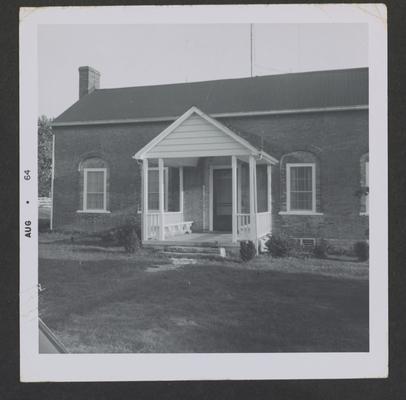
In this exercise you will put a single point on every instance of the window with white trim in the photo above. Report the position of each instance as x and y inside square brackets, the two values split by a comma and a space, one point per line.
[153, 189]
[171, 189]
[95, 189]
[93, 185]
[301, 187]
[367, 185]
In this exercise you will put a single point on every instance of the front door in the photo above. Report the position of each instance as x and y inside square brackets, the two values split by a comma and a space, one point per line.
[222, 200]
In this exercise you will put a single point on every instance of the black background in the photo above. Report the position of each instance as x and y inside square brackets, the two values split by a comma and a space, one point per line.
[10, 388]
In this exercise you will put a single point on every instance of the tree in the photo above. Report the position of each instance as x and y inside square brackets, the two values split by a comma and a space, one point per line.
[44, 156]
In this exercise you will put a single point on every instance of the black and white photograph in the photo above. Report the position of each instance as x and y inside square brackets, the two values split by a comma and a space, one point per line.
[203, 193]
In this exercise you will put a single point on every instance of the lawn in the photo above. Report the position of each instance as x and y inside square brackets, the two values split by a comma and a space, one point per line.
[100, 300]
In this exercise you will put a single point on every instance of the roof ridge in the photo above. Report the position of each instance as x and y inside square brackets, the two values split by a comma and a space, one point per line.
[301, 73]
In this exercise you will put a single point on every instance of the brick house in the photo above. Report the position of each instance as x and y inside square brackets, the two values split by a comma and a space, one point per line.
[222, 161]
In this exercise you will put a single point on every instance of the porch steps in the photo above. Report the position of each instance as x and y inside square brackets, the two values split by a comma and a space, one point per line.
[204, 252]
[192, 249]
[188, 244]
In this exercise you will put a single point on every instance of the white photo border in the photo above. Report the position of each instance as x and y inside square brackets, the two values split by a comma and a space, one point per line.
[237, 366]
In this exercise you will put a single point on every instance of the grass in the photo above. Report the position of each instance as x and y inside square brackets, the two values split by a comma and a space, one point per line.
[103, 301]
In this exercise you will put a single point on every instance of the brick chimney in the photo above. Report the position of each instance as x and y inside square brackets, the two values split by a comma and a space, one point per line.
[89, 80]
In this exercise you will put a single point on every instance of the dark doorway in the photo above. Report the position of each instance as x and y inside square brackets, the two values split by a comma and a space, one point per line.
[222, 200]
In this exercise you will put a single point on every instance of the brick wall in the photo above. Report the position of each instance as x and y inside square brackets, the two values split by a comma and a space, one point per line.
[116, 145]
[337, 139]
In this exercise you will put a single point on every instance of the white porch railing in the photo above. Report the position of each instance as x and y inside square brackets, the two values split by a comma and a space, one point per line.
[243, 226]
[264, 223]
[152, 225]
[153, 222]
[174, 224]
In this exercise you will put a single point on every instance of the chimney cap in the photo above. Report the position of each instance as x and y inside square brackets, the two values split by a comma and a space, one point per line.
[88, 68]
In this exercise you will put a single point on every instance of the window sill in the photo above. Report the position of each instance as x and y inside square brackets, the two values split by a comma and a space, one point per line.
[93, 212]
[365, 214]
[157, 212]
[299, 213]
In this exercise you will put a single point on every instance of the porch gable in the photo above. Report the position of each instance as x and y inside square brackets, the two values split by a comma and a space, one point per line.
[195, 134]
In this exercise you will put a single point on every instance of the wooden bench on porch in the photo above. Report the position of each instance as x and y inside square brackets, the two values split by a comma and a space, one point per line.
[173, 225]
[178, 228]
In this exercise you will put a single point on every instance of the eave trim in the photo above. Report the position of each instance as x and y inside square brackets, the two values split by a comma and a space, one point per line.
[218, 115]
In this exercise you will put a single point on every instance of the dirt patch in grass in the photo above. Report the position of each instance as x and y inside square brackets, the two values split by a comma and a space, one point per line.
[174, 263]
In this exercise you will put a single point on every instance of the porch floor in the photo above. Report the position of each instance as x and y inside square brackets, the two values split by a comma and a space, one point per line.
[196, 238]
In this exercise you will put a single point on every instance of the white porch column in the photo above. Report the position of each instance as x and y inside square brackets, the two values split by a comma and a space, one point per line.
[269, 194]
[181, 189]
[239, 188]
[234, 198]
[145, 199]
[161, 199]
[253, 198]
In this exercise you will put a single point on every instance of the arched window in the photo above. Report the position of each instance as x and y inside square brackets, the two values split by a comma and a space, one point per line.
[364, 169]
[94, 184]
[300, 183]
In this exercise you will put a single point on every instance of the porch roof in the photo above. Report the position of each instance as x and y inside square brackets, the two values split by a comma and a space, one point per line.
[196, 134]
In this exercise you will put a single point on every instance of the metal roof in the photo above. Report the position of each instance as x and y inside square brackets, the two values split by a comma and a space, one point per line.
[295, 91]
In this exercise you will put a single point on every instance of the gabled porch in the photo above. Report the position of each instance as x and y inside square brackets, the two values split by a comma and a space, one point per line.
[204, 183]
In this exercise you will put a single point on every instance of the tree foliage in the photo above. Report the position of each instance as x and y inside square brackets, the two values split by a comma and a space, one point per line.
[44, 156]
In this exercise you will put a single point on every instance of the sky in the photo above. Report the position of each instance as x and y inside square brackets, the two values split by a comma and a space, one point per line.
[139, 55]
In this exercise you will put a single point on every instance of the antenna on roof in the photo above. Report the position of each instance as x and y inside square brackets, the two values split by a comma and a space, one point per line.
[251, 50]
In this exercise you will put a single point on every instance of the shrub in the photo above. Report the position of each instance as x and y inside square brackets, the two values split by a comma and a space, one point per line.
[335, 250]
[320, 249]
[129, 239]
[43, 225]
[247, 250]
[278, 246]
[128, 235]
[109, 237]
[361, 250]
